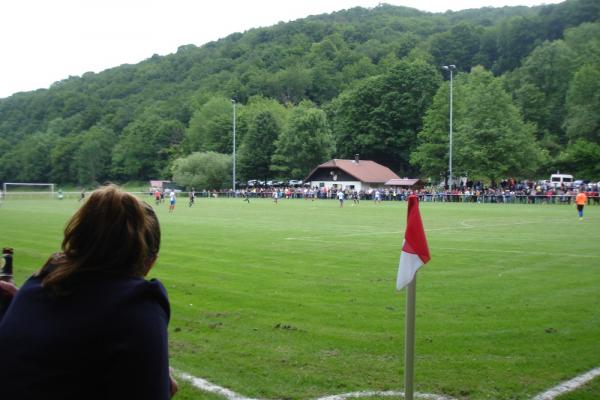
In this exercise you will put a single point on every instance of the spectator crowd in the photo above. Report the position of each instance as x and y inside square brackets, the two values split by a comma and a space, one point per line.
[507, 191]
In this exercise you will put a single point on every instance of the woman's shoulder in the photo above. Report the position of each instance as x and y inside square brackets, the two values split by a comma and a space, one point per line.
[145, 294]
[152, 288]
[130, 286]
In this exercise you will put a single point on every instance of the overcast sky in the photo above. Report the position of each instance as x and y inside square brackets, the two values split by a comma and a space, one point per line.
[44, 41]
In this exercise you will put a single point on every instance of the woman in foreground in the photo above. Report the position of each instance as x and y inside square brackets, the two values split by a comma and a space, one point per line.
[88, 325]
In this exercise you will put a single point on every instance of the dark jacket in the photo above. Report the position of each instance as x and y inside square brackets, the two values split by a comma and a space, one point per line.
[105, 339]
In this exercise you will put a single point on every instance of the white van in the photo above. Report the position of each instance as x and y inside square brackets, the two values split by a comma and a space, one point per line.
[558, 180]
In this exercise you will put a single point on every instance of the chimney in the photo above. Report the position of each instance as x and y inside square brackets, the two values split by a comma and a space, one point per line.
[356, 159]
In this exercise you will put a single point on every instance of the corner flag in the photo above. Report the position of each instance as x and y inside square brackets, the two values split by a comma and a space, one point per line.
[415, 251]
[414, 254]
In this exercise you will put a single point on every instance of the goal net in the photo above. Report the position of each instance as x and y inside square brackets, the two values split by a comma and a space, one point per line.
[21, 190]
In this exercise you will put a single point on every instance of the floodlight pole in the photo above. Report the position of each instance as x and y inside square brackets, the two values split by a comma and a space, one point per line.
[450, 68]
[233, 102]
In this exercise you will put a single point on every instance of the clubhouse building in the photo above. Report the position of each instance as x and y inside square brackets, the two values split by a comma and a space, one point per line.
[350, 174]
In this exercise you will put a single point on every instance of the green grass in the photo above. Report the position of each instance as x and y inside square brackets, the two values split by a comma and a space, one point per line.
[297, 300]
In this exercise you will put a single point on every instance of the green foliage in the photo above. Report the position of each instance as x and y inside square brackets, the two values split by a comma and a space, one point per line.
[458, 46]
[431, 154]
[62, 155]
[145, 147]
[490, 138]
[258, 146]
[541, 85]
[306, 142]
[92, 158]
[207, 170]
[516, 39]
[169, 106]
[583, 105]
[584, 40]
[211, 127]
[581, 158]
[28, 161]
[381, 117]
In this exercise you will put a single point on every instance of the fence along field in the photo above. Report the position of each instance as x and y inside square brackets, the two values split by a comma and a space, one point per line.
[297, 300]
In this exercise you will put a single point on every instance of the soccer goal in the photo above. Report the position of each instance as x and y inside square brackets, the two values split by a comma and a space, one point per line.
[24, 190]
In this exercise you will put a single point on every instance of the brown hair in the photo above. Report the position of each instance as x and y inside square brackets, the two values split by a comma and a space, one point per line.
[112, 232]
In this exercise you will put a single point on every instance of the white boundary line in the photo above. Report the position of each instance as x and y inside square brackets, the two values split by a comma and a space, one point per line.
[541, 253]
[207, 386]
[568, 386]
[550, 394]
[389, 393]
[463, 225]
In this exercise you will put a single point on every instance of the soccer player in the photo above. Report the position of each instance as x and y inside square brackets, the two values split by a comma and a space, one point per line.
[340, 195]
[580, 200]
[377, 197]
[355, 197]
[172, 201]
[192, 197]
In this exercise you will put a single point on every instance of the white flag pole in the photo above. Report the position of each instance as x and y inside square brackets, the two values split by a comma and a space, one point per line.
[409, 339]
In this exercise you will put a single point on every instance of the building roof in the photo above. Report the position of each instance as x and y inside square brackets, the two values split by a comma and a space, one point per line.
[364, 170]
[159, 184]
[402, 182]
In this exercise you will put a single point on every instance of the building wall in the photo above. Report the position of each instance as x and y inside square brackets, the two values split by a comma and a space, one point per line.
[351, 185]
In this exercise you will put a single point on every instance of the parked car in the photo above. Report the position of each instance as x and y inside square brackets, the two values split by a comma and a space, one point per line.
[558, 180]
[578, 183]
[294, 182]
[255, 182]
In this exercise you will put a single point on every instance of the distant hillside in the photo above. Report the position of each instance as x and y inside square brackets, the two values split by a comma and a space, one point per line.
[86, 129]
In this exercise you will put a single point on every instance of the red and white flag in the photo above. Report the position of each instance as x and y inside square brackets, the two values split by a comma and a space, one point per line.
[415, 251]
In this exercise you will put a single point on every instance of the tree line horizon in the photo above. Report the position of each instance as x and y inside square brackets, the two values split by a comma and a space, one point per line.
[359, 81]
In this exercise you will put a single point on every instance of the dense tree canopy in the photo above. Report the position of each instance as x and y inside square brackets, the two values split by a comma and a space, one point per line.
[205, 170]
[258, 146]
[354, 81]
[211, 127]
[306, 142]
[491, 140]
[381, 117]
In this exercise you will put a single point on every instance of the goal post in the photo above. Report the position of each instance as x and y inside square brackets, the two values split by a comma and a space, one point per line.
[27, 190]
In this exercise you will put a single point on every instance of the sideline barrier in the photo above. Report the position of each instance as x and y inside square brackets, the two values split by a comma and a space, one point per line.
[423, 197]
[563, 199]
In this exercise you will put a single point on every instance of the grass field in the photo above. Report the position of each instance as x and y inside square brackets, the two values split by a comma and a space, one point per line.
[297, 300]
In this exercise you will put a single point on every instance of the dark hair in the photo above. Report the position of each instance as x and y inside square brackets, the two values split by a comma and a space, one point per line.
[112, 232]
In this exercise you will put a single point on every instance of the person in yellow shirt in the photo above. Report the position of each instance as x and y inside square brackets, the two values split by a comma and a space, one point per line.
[580, 201]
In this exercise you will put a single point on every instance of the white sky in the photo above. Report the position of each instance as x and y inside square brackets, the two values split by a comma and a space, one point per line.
[44, 41]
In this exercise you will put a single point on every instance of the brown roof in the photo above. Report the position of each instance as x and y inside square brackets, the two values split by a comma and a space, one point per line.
[402, 182]
[364, 171]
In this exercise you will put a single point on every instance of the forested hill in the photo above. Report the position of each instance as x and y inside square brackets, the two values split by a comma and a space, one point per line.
[362, 81]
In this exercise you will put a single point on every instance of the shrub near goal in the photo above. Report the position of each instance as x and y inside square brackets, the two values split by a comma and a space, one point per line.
[16, 190]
